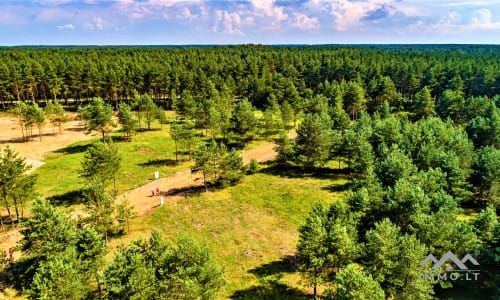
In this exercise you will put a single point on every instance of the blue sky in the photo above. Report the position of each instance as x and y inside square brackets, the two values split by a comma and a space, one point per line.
[111, 22]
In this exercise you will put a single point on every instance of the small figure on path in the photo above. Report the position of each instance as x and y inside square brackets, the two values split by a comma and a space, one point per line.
[157, 191]
[152, 193]
[11, 255]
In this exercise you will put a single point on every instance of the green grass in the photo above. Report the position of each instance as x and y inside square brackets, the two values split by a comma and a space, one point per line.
[250, 228]
[148, 152]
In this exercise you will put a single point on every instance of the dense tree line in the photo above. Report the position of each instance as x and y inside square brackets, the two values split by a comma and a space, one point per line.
[253, 72]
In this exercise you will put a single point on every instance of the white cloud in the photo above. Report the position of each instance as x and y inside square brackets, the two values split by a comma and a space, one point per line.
[228, 22]
[66, 27]
[96, 24]
[168, 3]
[267, 8]
[481, 16]
[302, 21]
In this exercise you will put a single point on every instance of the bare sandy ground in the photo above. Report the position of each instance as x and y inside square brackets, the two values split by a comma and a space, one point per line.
[35, 150]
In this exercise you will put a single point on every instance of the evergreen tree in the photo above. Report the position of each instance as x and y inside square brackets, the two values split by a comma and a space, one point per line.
[56, 114]
[352, 283]
[284, 148]
[486, 174]
[149, 108]
[99, 116]
[423, 103]
[157, 269]
[60, 278]
[243, 120]
[231, 168]
[127, 120]
[313, 142]
[101, 162]
[100, 206]
[16, 185]
[312, 247]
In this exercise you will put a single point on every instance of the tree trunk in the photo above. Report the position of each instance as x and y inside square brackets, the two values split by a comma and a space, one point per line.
[205, 181]
[315, 283]
[8, 211]
[176, 151]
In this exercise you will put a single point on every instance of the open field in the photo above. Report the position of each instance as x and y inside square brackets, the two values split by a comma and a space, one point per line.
[252, 229]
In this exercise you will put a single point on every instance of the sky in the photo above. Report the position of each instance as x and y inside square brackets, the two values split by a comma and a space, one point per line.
[179, 22]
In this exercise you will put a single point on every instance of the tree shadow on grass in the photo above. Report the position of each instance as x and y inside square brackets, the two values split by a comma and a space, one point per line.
[287, 264]
[270, 290]
[290, 171]
[185, 191]
[269, 275]
[339, 187]
[73, 149]
[67, 199]
[159, 162]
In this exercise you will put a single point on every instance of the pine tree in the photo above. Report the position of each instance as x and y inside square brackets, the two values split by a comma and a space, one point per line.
[127, 120]
[16, 186]
[313, 142]
[98, 116]
[352, 283]
[101, 162]
[56, 114]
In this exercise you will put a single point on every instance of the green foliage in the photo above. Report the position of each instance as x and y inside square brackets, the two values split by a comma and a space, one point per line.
[423, 103]
[396, 165]
[183, 135]
[286, 114]
[30, 115]
[98, 116]
[486, 174]
[16, 186]
[56, 114]
[59, 259]
[217, 164]
[313, 142]
[100, 206]
[186, 106]
[158, 269]
[393, 260]
[327, 240]
[243, 121]
[285, 148]
[101, 162]
[149, 109]
[47, 232]
[312, 247]
[231, 168]
[124, 214]
[352, 283]
[253, 166]
[60, 278]
[127, 120]
[354, 98]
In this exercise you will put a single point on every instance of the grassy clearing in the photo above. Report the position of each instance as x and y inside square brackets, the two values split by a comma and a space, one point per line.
[251, 228]
[149, 151]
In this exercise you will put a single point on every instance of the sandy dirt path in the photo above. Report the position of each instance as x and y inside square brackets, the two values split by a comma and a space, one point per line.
[179, 185]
